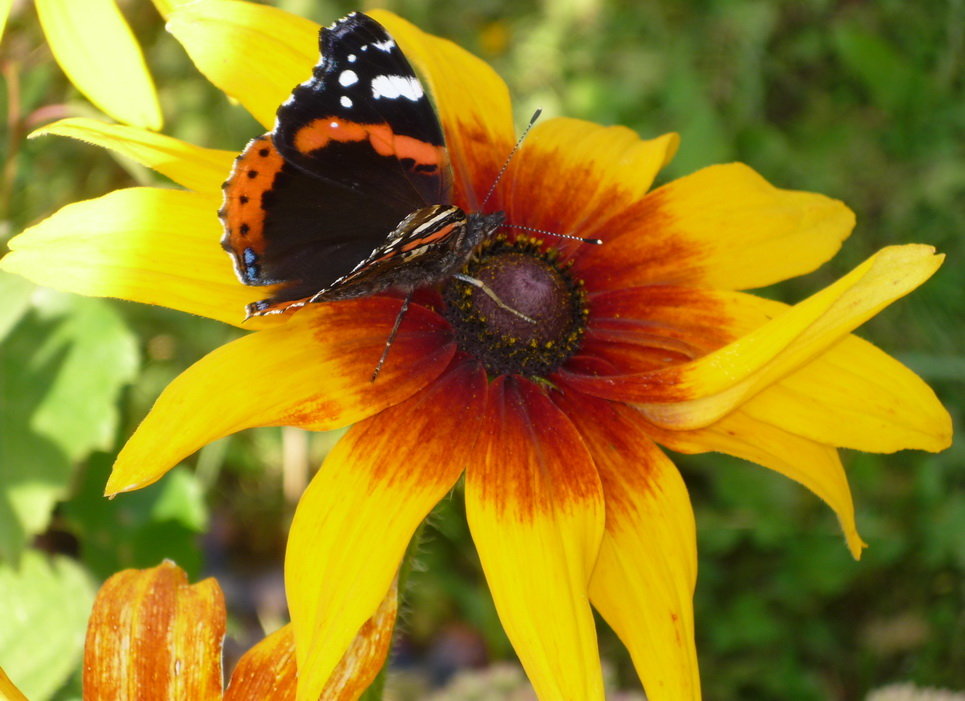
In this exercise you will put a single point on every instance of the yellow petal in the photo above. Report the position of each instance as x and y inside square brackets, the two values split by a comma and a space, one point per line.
[644, 579]
[612, 167]
[8, 690]
[535, 510]
[268, 670]
[142, 244]
[96, 49]
[695, 394]
[166, 7]
[197, 168]
[313, 371]
[856, 396]
[354, 521]
[254, 53]
[723, 226]
[815, 465]
[5, 7]
[152, 635]
[472, 102]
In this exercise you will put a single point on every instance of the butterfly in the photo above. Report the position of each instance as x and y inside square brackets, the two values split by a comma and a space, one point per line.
[350, 194]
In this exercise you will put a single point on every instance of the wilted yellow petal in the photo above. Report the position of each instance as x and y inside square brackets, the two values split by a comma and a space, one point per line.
[96, 49]
[254, 53]
[197, 168]
[152, 635]
[268, 670]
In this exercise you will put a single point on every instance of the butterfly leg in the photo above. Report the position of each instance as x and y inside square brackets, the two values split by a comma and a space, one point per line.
[395, 329]
[492, 295]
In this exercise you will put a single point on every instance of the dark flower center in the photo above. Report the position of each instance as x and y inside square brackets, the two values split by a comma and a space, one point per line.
[522, 314]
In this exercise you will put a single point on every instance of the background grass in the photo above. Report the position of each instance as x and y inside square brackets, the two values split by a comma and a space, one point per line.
[860, 101]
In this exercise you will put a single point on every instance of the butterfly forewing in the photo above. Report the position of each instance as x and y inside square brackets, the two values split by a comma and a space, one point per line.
[350, 194]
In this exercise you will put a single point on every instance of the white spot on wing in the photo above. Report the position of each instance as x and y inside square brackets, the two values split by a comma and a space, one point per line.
[385, 46]
[333, 125]
[352, 58]
[346, 101]
[394, 86]
[347, 78]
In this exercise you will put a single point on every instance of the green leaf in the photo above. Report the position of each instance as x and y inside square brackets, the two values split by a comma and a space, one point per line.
[886, 74]
[34, 471]
[138, 529]
[100, 356]
[61, 371]
[46, 602]
[15, 292]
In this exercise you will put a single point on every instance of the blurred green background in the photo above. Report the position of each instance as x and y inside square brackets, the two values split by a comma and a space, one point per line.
[863, 101]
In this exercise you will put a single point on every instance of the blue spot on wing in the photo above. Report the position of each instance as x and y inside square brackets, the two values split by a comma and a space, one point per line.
[252, 271]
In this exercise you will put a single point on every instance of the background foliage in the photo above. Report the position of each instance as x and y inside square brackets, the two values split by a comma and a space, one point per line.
[861, 101]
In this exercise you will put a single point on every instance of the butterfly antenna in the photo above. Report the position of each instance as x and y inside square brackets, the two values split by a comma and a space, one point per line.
[595, 242]
[391, 339]
[502, 171]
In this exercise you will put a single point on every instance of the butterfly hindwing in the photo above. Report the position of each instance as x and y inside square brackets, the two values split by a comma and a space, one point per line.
[281, 227]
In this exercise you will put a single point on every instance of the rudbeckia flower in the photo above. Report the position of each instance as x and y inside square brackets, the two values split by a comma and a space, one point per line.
[643, 343]
[96, 49]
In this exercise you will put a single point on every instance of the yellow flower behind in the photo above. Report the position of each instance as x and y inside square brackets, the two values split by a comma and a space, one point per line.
[96, 49]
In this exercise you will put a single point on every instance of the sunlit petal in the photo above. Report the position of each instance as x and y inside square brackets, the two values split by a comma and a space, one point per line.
[152, 635]
[535, 508]
[254, 53]
[313, 372]
[96, 49]
[644, 579]
[856, 396]
[197, 168]
[356, 518]
[142, 244]
[723, 226]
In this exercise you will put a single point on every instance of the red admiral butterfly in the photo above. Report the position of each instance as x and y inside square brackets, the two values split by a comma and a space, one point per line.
[350, 194]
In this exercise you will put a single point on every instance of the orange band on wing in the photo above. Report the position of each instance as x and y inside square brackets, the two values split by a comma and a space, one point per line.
[319, 132]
